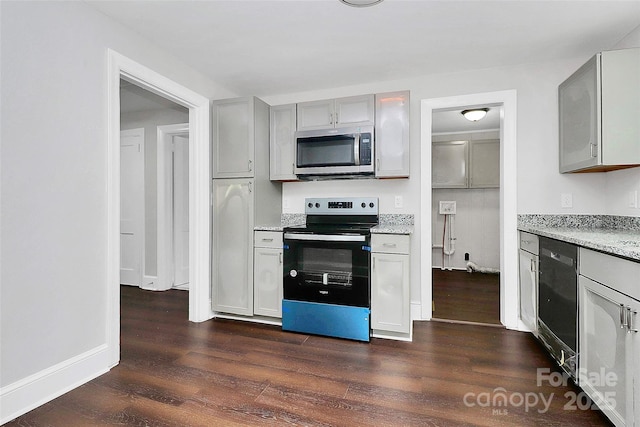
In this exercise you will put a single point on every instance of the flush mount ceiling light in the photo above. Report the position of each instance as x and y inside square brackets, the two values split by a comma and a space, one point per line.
[475, 114]
[360, 3]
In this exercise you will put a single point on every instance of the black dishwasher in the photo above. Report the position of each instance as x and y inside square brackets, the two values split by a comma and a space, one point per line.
[557, 301]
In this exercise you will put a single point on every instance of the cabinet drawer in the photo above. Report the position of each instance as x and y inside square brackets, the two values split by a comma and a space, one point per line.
[390, 243]
[529, 242]
[616, 273]
[267, 239]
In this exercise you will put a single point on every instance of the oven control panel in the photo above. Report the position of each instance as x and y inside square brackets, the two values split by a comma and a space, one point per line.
[341, 206]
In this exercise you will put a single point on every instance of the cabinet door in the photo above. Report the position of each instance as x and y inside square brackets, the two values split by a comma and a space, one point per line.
[605, 365]
[484, 164]
[390, 299]
[316, 115]
[620, 106]
[449, 164]
[529, 290]
[232, 287]
[268, 282]
[233, 138]
[282, 148]
[355, 111]
[392, 135]
[579, 119]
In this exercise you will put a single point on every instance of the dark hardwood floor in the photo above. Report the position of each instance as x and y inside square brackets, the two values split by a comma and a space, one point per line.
[229, 373]
[470, 297]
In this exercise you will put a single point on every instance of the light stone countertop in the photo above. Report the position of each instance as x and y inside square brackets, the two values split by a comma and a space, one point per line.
[389, 224]
[600, 234]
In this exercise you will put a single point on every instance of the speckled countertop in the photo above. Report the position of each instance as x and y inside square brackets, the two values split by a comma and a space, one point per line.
[615, 235]
[388, 223]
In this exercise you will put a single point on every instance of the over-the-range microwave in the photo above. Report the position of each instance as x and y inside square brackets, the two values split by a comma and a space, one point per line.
[339, 151]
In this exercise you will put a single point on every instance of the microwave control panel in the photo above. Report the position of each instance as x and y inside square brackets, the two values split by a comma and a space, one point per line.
[365, 148]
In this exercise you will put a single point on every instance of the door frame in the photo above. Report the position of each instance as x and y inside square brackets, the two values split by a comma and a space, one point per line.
[119, 66]
[508, 201]
[166, 261]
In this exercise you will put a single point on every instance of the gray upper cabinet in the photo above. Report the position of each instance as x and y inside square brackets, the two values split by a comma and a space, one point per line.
[599, 107]
[449, 164]
[484, 163]
[466, 164]
[341, 112]
[234, 135]
[392, 135]
[282, 131]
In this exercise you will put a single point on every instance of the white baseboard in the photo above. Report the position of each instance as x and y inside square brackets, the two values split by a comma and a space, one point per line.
[416, 311]
[35, 390]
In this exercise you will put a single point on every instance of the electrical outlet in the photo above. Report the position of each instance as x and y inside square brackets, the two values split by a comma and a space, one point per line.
[566, 200]
[398, 202]
[633, 199]
[447, 208]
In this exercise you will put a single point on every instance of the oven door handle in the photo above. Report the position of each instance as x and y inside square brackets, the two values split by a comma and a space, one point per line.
[326, 237]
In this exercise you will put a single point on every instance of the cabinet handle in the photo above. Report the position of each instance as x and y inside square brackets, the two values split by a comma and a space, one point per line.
[630, 315]
[623, 317]
[330, 118]
[373, 264]
[532, 265]
[267, 240]
[389, 245]
[378, 165]
[280, 257]
[250, 165]
[249, 184]
[594, 150]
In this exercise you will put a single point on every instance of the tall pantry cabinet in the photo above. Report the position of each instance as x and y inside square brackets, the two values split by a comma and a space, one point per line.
[243, 196]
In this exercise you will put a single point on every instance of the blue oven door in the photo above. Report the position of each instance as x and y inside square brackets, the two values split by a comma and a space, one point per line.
[327, 284]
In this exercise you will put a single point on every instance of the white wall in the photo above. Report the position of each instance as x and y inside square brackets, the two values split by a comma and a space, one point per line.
[619, 184]
[54, 184]
[150, 120]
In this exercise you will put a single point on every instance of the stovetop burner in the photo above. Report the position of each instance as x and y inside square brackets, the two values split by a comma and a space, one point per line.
[339, 215]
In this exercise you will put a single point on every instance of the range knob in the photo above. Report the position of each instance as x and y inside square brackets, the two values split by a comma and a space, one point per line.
[371, 205]
[317, 205]
[310, 205]
[364, 205]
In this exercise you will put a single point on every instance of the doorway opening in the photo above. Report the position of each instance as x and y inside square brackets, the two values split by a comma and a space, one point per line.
[507, 234]
[121, 67]
[153, 142]
[465, 182]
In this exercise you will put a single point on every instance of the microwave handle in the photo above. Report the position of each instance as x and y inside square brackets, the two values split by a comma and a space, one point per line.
[356, 150]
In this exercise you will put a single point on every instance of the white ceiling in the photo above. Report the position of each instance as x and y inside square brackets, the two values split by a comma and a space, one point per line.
[276, 47]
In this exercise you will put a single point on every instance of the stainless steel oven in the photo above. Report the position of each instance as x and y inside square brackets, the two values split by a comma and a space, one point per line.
[327, 265]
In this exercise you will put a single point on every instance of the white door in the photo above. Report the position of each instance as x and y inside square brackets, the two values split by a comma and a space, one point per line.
[181, 210]
[131, 205]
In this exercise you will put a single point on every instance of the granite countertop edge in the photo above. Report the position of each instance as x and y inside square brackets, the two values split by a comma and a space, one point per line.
[623, 242]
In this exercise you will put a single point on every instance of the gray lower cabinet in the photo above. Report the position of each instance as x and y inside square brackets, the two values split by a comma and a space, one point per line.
[232, 281]
[267, 274]
[609, 341]
[528, 272]
[390, 287]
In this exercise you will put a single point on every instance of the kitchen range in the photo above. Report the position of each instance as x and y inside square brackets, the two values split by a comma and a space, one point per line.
[327, 268]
